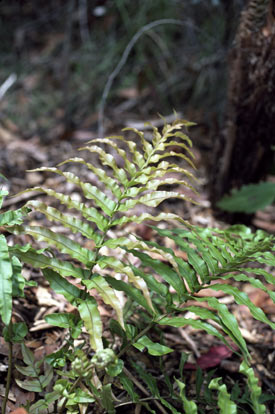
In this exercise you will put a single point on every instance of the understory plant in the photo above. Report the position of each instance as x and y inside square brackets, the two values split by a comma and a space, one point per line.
[159, 288]
[249, 198]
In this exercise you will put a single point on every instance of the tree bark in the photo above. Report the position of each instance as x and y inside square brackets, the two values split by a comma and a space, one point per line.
[243, 152]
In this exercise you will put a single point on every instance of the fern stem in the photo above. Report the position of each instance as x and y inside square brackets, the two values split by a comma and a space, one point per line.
[4, 405]
[130, 343]
[75, 384]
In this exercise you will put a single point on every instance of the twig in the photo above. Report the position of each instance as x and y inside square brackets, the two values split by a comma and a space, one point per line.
[7, 84]
[83, 21]
[122, 62]
[141, 387]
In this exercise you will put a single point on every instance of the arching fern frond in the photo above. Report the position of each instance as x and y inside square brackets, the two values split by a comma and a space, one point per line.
[128, 178]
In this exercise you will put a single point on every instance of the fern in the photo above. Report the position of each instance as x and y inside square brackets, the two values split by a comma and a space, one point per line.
[137, 183]
[235, 254]
[214, 256]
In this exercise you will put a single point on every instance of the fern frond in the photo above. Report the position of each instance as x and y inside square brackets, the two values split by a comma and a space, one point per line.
[137, 157]
[105, 179]
[148, 217]
[215, 254]
[90, 213]
[137, 182]
[153, 199]
[107, 293]
[129, 166]
[62, 243]
[89, 191]
[74, 224]
[109, 161]
[41, 261]
[120, 267]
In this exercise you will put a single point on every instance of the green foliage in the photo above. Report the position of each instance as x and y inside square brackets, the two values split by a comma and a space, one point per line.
[12, 283]
[156, 290]
[249, 198]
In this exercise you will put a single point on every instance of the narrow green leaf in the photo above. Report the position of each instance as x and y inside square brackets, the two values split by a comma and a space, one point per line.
[62, 286]
[108, 181]
[225, 404]
[157, 157]
[168, 274]
[18, 281]
[89, 191]
[131, 291]
[107, 399]
[261, 272]
[89, 313]
[254, 282]
[109, 160]
[242, 299]
[90, 213]
[146, 246]
[128, 386]
[228, 323]
[153, 199]
[136, 155]
[5, 281]
[129, 167]
[169, 406]
[151, 282]
[147, 147]
[119, 267]
[162, 169]
[62, 320]
[178, 322]
[74, 224]
[28, 371]
[149, 380]
[10, 218]
[190, 407]
[154, 348]
[255, 389]
[107, 294]
[145, 216]
[42, 261]
[62, 243]
[180, 145]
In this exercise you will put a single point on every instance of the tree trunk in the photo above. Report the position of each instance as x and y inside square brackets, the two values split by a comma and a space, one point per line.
[243, 152]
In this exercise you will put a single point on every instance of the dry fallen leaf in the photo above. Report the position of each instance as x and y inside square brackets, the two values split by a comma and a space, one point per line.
[19, 411]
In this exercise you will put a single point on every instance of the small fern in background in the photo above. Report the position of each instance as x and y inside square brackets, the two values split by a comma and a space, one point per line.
[160, 288]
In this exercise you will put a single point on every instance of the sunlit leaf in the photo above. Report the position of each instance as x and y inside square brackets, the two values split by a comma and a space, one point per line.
[5, 281]
[89, 313]
[74, 224]
[107, 293]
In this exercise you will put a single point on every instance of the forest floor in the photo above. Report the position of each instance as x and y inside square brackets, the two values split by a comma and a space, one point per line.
[19, 153]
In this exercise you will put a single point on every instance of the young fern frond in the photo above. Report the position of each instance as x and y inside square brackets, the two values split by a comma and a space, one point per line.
[217, 256]
[139, 181]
